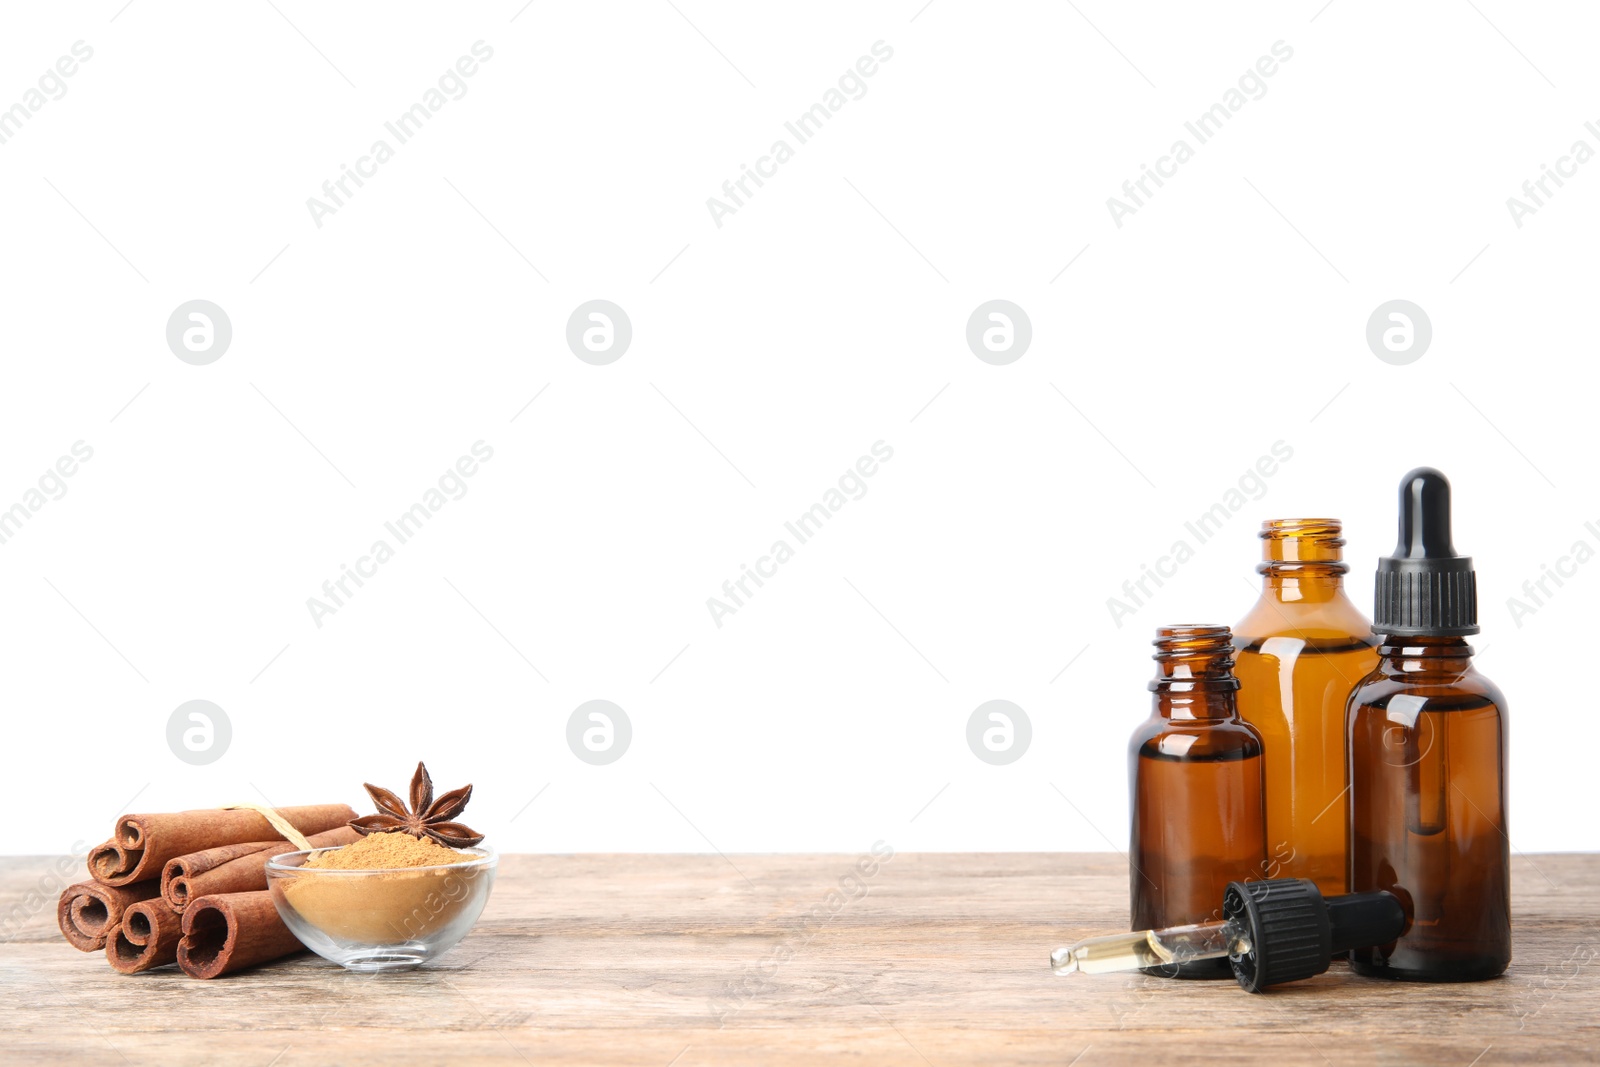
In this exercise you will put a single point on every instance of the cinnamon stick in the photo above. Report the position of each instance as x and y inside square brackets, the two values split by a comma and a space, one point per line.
[233, 868]
[141, 845]
[227, 932]
[88, 912]
[112, 856]
[148, 937]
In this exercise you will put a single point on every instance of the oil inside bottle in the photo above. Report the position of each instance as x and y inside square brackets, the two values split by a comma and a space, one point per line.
[1300, 651]
[1195, 792]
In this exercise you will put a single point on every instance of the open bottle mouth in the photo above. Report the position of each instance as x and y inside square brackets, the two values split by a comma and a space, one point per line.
[1302, 547]
[1190, 638]
[1303, 529]
[1193, 657]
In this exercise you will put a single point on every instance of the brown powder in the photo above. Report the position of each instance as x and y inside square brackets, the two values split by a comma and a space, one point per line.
[388, 851]
[375, 892]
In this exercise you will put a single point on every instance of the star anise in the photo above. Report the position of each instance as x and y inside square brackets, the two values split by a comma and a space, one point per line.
[426, 817]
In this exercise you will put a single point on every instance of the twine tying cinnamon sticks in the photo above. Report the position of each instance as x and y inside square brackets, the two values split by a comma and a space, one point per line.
[279, 823]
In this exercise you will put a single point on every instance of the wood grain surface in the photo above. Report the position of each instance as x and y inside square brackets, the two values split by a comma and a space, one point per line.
[931, 959]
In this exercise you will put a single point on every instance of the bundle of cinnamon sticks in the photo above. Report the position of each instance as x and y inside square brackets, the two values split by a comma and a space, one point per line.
[190, 888]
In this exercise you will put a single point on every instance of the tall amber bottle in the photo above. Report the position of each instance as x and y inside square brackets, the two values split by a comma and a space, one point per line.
[1300, 651]
[1194, 773]
[1428, 761]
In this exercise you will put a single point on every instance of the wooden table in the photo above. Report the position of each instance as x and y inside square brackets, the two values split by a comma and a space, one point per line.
[930, 959]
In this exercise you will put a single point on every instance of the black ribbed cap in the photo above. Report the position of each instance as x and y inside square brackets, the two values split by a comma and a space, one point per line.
[1290, 937]
[1425, 589]
[1294, 931]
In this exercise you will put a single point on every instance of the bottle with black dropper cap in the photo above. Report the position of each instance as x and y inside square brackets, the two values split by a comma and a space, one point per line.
[1427, 761]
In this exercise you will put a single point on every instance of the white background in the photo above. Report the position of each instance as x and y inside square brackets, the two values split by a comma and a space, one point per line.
[827, 314]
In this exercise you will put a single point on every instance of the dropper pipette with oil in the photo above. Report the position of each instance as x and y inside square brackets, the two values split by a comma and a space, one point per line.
[1272, 931]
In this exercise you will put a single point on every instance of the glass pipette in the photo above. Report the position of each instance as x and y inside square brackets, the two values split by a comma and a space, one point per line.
[1271, 931]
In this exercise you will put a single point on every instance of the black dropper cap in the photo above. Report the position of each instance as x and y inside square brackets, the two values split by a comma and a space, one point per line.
[1425, 589]
[1295, 932]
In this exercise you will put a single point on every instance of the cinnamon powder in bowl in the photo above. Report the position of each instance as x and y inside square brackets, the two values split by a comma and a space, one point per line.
[379, 852]
[388, 900]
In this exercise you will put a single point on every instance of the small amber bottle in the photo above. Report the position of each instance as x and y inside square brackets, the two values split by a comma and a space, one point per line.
[1299, 652]
[1195, 784]
[1428, 761]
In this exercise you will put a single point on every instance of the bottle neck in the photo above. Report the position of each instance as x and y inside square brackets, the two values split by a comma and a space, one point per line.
[1181, 703]
[1419, 655]
[1194, 673]
[1301, 582]
[1302, 560]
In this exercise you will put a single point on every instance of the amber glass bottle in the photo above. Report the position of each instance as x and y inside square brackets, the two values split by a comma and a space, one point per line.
[1194, 772]
[1300, 651]
[1428, 761]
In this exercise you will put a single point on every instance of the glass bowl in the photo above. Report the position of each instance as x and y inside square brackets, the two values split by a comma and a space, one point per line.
[380, 920]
